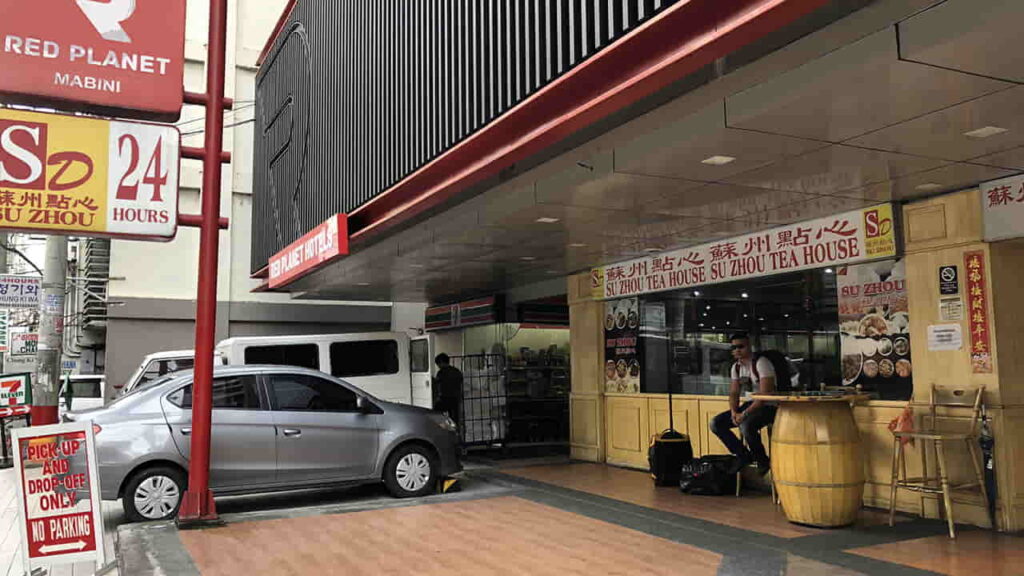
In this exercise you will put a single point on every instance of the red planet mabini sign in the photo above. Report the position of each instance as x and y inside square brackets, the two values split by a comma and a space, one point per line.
[113, 57]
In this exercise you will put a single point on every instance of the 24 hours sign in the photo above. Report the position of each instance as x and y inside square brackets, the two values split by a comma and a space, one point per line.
[86, 176]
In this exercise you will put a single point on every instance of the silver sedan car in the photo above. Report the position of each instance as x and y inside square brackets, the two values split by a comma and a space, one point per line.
[274, 428]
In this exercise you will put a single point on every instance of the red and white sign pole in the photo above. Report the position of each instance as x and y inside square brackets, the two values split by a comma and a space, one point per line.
[59, 513]
[197, 504]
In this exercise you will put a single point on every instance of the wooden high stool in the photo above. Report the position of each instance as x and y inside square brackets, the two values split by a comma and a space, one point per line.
[739, 474]
[932, 436]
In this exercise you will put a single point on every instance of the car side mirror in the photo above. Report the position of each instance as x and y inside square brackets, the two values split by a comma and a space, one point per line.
[365, 406]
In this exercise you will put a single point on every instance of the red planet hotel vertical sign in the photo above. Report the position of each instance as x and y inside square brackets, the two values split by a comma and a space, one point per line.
[58, 492]
[977, 313]
[321, 245]
[114, 57]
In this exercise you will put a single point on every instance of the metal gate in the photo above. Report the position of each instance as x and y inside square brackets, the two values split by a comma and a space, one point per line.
[484, 414]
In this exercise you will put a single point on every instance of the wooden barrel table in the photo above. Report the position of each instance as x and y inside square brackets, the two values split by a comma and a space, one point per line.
[817, 459]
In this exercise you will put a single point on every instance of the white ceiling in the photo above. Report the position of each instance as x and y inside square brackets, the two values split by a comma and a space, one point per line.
[861, 124]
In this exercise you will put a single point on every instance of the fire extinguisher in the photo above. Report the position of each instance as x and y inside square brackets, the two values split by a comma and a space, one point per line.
[988, 443]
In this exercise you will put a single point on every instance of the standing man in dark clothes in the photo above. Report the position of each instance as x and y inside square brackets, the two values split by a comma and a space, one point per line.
[448, 387]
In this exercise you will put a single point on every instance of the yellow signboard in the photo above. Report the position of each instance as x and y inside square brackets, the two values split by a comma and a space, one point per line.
[87, 176]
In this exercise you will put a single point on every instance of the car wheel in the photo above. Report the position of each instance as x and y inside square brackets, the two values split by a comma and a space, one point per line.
[411, 471]
[154, 494]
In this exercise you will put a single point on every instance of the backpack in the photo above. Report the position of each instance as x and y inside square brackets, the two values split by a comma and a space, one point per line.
[783, 372]
[708, 476]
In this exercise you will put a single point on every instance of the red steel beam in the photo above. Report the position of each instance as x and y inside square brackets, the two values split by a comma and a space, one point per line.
[677, 42]
[199, 99]
[197, 504]
[193, 153]
[196, 221]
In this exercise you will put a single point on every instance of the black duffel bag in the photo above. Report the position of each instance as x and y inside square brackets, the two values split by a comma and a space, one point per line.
[708, 476]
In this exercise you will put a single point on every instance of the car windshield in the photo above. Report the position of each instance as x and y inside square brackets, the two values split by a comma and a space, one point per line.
[143, 386]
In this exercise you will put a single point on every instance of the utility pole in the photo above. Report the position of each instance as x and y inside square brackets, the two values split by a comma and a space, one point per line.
[46, 385]
[5, 239]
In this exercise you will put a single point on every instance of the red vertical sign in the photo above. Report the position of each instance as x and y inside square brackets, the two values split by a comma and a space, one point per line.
[58, 495]
[977, 313]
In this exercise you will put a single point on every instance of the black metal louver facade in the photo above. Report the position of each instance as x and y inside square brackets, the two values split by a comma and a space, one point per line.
[355, 96]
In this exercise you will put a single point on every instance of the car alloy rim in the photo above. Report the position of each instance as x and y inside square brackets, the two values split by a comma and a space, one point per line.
[413, 472]
[156, 497]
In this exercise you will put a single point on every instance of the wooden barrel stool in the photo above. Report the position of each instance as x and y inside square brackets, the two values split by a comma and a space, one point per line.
[817, 461]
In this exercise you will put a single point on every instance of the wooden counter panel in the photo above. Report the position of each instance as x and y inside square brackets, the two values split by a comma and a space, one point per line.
[626, 425]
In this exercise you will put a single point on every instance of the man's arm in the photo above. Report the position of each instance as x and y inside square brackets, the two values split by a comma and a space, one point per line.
[734, 396]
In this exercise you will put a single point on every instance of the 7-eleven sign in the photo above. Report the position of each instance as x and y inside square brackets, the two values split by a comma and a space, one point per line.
[15, 390]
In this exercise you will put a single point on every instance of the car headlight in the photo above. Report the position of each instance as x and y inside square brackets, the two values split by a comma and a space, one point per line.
[446, 423]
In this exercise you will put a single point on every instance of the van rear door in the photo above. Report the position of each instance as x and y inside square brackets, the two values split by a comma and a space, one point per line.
[420, 354]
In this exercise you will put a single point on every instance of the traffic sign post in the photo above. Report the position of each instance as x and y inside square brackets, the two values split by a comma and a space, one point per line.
[59, 513]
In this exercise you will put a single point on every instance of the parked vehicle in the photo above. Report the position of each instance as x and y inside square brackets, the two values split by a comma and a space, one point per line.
[86, 391]
[274, 428]
[159, 364]
[389, 365]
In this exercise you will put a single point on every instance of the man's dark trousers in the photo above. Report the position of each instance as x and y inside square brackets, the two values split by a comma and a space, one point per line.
[751, 427]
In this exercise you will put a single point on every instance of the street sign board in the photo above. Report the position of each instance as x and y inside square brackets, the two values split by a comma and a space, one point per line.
[321, 245]
[89, 177]
[15, 390]
[58, 495]
[113, 57]
[20, 364]
[24, 344]
[4, 329]
[19, 291]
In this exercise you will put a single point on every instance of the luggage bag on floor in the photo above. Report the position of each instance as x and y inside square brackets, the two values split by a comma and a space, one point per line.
[668, 452]
[709, 476]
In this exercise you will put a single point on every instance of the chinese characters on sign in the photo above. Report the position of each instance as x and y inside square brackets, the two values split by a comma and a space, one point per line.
[845, 238]
[58, 494]
[78, 175]
[622, 347]
[19, 291]
[110, 57]
[977, 313]
[24, 344]
[1002, 203]
[4, 330]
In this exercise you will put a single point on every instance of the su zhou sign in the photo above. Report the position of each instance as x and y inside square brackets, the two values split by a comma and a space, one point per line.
[1002, 205]
[58, 495]
[845, 238]
[87, 176]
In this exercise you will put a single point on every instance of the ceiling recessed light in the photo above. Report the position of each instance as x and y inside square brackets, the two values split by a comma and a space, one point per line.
[928, 187]
[696, 292]
[829, 271]
[705, 314]
[362, 284]
[547, 220]
[760, 319]
[708, 307]
[702, 325]
[746, 315]
[417, 266]
[985, 132]
[745, 295]
[718, 160]
[527, 258]
[786, 315]
[577, 245]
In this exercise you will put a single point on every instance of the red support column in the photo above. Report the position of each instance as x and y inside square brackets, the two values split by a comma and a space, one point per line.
[197, 504]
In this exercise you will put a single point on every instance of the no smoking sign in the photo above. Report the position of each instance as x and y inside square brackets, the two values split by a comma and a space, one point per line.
[949, 281]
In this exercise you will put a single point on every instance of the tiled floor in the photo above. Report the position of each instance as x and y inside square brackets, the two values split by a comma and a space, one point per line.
[565, 519]
[749, 512]
[504, 535]
[971, 554]
[10, 552]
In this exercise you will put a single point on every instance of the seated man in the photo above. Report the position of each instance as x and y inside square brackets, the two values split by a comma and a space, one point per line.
[752, 415]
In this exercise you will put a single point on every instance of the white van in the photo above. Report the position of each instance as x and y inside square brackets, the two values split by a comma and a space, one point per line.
[389, 365]
[158, 364]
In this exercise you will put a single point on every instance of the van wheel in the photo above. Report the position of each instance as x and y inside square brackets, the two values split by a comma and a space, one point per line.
[411, 471]
[154, 494]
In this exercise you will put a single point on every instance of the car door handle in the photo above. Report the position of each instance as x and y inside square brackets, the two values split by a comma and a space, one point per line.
[291, 432]
[186, 431]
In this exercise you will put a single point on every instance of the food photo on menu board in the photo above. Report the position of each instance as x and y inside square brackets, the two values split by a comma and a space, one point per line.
[622, 352]
[874, 328]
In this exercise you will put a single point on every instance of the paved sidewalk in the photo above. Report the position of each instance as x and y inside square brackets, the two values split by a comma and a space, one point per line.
[10, 551]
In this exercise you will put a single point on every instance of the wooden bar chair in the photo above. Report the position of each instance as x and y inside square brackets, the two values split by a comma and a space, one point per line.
[932, 436]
